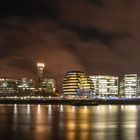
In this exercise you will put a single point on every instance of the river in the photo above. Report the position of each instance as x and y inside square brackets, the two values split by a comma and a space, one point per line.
[65, 122]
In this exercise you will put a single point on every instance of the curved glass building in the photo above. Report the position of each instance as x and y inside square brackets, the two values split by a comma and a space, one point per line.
[77, 83]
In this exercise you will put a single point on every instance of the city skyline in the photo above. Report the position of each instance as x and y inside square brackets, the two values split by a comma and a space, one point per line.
[42, 73]
[92, 36]
[75, 84]
[69, 69]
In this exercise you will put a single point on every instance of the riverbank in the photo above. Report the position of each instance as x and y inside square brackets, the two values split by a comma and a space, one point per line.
[135, 101]
[122, 101]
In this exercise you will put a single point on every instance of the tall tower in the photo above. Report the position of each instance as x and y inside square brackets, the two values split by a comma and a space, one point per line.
[40, 74]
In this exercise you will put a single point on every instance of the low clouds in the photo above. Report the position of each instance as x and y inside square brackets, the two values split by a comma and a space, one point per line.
[24, 43]
[89, 35]
[94, 33]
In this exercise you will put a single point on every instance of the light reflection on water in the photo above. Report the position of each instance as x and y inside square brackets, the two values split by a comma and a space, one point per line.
[44, 122]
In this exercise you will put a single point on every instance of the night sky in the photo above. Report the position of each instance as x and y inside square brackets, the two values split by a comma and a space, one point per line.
[95, 36]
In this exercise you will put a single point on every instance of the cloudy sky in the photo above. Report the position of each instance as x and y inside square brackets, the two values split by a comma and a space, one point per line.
[95, 36]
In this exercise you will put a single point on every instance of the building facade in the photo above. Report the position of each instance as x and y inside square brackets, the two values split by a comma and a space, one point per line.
[26, 86]
[49, 85]
[40, 74]
[77, 83]
[138, 86]
[105, 85]
[8, 86]
[129, 85]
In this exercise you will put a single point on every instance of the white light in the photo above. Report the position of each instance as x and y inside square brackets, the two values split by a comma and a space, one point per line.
[61, 108]
[40, 65]
[15, 109]
[28, 109]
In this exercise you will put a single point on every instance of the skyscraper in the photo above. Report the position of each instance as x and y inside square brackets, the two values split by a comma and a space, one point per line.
[40, 74]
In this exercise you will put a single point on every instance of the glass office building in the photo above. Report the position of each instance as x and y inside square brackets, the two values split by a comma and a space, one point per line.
[129, 85]
[105, 85]
[77, 83]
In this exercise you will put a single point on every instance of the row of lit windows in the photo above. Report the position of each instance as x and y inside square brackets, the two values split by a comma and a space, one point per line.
[69, 90]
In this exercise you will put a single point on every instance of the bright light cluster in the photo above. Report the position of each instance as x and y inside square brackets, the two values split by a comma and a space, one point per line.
[40, 65]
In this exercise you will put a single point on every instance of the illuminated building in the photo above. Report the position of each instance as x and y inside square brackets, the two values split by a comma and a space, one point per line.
[44, 85]
[105, 85]
[26, 85]
[128, 85]
[8, 86]
[77, 83]
[40, 74]
[48, 85]
[138, 86]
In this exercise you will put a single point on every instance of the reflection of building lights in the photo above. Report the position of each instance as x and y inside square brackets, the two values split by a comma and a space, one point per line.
[122, 107]
[28, 109]
[132, 107]
[71, 135]
[61, 108]
[85, 107]
[71, 125]
[102, 109]
[84, 111]
[84, 136]
[38, 109]
[73, 108]
[84, 126]
[49, 109]
[15, 108]
[110, 107]
[98, 108]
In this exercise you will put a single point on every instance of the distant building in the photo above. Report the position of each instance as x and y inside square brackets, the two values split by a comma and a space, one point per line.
[38, 86]
[44, 85]
[138, 86]
[26, 85]
[77, 83]
[49, 85]
[8, 86]
[40, 74]
[129, 85]
[105, 85]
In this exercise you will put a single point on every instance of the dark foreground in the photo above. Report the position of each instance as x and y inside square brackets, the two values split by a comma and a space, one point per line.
[134, 101]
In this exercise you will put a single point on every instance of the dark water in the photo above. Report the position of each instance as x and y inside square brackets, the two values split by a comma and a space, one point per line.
[44, 122]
